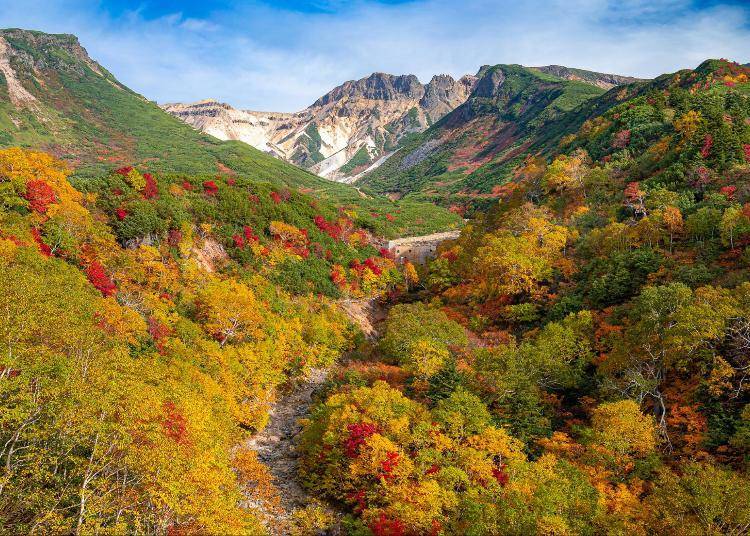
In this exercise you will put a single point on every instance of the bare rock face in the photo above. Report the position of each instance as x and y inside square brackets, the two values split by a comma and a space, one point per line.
[377, 86]
[489, 84]
[346, 130]
[354, 127]
[260, 129]
[18, 94]
[443, 94]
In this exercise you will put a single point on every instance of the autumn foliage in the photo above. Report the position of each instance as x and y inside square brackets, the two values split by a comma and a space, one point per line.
[130, 397]
[40, 195]
[576, 362]
[99, 278]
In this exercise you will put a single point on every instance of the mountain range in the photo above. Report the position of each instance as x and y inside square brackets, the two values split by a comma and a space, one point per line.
[53, 96]
[345, 130]
[512, 112]
[352, 129]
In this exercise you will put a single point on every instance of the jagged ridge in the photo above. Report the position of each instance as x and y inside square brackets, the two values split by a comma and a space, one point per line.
[363, 118]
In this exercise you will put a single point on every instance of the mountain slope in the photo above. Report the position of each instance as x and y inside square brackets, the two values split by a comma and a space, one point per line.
[612, 278]
[602, 80]
[342, 132]
[54, 97]
[510, 107]
[355, 127]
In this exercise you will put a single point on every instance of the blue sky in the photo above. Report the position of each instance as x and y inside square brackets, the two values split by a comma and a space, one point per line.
[282, 55]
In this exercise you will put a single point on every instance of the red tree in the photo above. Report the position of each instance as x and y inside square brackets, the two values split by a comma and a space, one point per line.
[44, 248]
[158, 332]
[370, 263]
[358, 497]
[40, 195]
[239, 241]
[384, 526]
[728, 191]
[500, 475]
[635, 198]
[99, 278]
[174, 238]
[389, 464]
[124, 171]
[210, 188]
[151, 190]
[249, 234]
[358, 434]
[331, 229]
[174, 423]
[621, 139]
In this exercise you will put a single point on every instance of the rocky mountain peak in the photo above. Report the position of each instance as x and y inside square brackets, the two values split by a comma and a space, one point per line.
[490, 79]
[356, 125]
[377, 86]
[443, 93]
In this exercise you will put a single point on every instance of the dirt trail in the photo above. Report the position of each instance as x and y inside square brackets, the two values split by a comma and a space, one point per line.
[276, 444]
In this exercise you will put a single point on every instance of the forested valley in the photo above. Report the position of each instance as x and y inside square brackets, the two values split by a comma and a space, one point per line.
[577, 361]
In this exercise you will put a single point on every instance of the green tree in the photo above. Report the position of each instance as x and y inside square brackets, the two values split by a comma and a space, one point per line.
[703, 499]
[409, 323]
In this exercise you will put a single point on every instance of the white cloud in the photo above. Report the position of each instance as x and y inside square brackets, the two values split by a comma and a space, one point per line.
[259, 57]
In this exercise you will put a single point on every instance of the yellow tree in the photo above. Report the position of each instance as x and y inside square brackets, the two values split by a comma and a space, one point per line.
[410, 276]
[515, 262]
[688, 124]
[567, 173]
[731, 220]
[622, 434]
[425, 358]
[672, 218]
[229, 311]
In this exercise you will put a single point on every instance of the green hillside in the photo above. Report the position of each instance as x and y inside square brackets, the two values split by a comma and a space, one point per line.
[83, 115]
[458, 156]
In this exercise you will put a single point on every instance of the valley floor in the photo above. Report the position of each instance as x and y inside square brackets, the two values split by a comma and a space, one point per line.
[276, 446]
[277, 443]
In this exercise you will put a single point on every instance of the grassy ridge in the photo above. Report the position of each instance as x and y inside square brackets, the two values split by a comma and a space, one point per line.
[83, 115]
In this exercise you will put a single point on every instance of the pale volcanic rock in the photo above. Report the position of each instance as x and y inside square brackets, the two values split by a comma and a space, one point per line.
[368, 115]
[354, 126]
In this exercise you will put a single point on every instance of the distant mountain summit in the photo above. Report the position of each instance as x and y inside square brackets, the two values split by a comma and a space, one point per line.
[343, 132]
[353, 128]
[469, 149]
